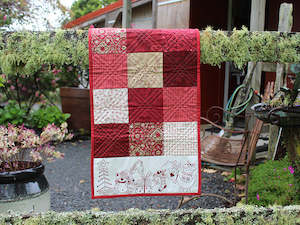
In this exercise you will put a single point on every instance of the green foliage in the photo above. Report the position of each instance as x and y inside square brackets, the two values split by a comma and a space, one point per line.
[49, 114]
[272, 183]
[28, 61]
[11, 10]
[24, 10]
[82, 7]
[12, 113]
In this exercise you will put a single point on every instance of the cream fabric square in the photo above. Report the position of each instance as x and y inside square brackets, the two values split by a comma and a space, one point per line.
[110, 106]
[145, 70]
[180, 138]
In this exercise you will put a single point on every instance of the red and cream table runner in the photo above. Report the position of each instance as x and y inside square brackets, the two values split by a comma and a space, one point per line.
[145, 109]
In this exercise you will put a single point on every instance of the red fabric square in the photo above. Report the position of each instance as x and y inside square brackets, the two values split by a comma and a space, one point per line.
[111, 140]
[145, 105]
[145, 40]
[146, 139]
[110, 71]
[180, 40]
[161, 40]
[180, 69]
[180, 104]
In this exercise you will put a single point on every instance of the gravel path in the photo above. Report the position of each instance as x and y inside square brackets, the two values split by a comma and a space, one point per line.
[69, 181]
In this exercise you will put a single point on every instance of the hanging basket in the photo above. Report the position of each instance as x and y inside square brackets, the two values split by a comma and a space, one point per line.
[280, 116]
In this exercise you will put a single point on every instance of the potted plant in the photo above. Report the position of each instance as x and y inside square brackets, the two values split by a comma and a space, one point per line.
[75, 95]
[23, 187]
[283, 109]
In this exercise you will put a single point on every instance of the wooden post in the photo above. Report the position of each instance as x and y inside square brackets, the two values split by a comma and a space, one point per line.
[126, 14]
[154, 14]
[257, 23]
[227, 65]
[284, 25]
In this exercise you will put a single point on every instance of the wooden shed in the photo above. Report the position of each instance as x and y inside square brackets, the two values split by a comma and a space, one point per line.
[217, 84]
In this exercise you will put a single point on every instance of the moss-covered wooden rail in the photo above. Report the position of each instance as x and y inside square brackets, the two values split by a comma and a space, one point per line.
[237, 215]
[26, 51]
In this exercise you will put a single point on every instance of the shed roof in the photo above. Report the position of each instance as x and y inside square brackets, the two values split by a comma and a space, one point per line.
[96, 13]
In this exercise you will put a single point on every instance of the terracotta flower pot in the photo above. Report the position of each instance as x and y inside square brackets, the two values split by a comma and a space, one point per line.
[76, 101]
[24, 190]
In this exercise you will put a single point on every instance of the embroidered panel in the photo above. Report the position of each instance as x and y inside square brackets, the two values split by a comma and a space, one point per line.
[145, 109]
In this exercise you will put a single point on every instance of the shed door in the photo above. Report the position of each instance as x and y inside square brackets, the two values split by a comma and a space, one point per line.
[173, 14]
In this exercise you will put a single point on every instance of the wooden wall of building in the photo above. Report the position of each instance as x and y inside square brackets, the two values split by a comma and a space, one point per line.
[173, 15]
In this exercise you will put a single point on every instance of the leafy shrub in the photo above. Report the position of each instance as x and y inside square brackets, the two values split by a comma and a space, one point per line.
[12, 113]
[272, 183]
[50, 114]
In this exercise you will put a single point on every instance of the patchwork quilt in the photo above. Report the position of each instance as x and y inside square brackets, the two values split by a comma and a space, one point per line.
[145, 112]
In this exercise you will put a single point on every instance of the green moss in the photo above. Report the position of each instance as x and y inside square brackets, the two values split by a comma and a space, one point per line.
[238, 215]
[243, 46]
[25, 52]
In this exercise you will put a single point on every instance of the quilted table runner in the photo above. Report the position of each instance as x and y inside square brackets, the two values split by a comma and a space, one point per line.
[145, 112]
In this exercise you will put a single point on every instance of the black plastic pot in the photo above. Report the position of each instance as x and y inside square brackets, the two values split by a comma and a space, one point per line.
[25, 190]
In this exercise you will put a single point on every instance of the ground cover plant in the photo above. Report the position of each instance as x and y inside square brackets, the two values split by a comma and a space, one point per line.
[272, 183]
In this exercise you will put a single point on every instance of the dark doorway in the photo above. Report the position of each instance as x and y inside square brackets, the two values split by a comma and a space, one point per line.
[214, 13]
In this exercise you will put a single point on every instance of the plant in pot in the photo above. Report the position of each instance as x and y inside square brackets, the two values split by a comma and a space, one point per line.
[23, 187]
[75, 97]
[283, 108]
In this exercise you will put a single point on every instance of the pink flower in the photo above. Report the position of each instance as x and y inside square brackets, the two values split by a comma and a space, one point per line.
[70, 68]
[37, 94]
[24, 89]
[284, 169]
[290, 185]
[12, 87]
[54, 71]
[257, 197]
[4, 18]
[291, 169]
